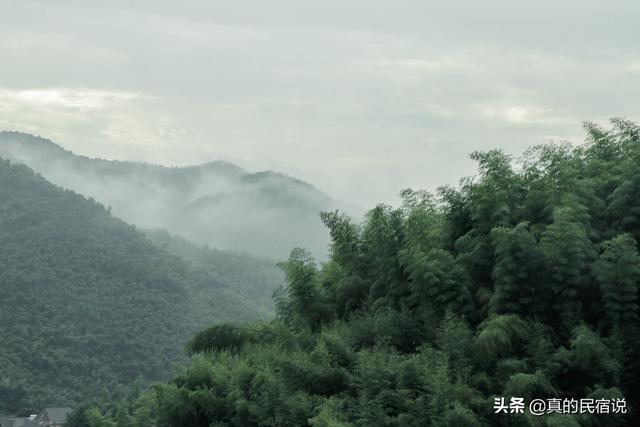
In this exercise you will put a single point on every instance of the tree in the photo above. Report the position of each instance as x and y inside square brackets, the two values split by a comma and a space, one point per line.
[518, 273]
[618, 273]
[382, 238]
[306, 296]
[437, 281]
[499, 336]
[567, 251]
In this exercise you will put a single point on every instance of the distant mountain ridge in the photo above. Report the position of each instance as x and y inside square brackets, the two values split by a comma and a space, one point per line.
[216, 203]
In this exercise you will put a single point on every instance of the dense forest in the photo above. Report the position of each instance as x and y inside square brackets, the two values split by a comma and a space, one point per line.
[522, 281]
[90, 305]
[252, 278]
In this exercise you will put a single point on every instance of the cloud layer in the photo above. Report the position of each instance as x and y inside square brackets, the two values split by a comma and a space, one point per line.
[359, 98]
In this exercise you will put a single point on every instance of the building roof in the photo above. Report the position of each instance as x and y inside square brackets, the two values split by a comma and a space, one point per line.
[56, 415]
[16, 422]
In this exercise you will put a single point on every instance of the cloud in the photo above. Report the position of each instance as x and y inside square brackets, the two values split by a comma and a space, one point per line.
[524, 114]
[634, 66]
[66, 98]
[419, 65]
[89, 121]
[360, 101]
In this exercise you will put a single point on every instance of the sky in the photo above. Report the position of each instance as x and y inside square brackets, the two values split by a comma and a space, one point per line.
[359, 98]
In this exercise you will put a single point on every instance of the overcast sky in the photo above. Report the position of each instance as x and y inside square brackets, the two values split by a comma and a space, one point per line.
[360, 98]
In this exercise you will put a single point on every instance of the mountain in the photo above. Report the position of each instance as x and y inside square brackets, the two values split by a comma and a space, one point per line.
[220, 204]
[251, 277]
[88, 303]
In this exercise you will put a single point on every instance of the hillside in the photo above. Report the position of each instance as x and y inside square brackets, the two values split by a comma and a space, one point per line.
[522, 283]
[89, 304]
[218, 204]
[254, 279]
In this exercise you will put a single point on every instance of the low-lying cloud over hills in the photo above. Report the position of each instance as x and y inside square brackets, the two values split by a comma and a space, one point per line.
[217, 203]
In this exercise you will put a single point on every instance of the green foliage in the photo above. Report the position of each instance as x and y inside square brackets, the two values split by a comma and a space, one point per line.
[223, 336]
[87, 303]
[567, 251]
[618, 273]
[425, 313]
[592, 361]
[520, 285]
[252, 278]
[306, 297]
[499, 336]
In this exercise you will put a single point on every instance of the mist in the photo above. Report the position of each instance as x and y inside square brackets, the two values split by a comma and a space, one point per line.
[218, 204]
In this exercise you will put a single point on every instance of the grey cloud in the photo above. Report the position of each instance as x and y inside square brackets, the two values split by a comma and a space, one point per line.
[359, 98]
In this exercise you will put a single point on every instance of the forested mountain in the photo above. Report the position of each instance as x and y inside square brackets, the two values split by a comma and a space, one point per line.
[254, 279]
[521, 282]
[89, 304]
[264, 213]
